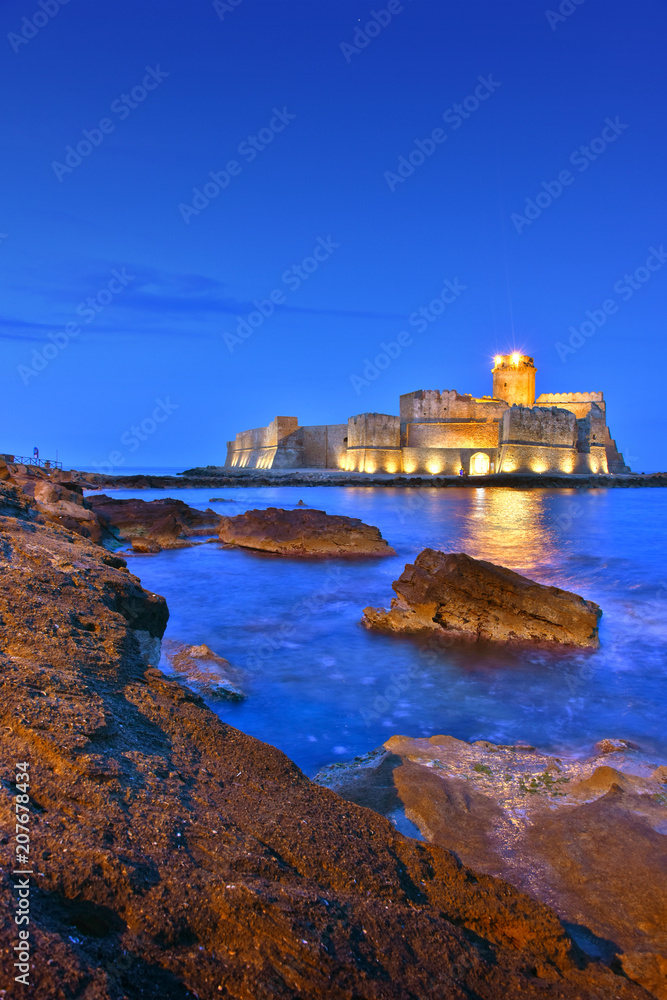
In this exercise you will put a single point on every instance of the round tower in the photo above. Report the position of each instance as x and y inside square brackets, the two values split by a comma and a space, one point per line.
[514, 379]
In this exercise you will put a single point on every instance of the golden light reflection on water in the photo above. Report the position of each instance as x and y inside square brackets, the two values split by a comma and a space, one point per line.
[509, 527]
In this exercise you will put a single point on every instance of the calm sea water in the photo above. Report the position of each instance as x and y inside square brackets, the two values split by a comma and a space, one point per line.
[323, 688]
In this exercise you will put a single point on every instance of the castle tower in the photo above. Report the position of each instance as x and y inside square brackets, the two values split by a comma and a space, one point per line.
[514, 379]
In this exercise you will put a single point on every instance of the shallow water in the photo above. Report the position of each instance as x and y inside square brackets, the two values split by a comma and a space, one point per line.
[323, 688]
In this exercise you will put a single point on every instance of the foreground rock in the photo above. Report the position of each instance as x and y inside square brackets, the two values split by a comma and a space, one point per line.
[174, 856]
[465, 598]
[303, 533]
[201, 669]
[587, 837]
[154, 525]
[62, 503]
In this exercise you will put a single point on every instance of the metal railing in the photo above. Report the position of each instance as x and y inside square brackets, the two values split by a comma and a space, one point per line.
[42, 463]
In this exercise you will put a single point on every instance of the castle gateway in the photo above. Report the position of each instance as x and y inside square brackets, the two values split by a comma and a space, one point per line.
[445, 432]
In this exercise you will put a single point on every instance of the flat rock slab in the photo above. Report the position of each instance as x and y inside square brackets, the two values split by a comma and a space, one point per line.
[303, 532]
[154, 525]
[465, 598]
[175, 856]
[585, 836]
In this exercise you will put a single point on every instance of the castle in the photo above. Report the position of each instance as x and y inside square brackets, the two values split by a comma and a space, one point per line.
[444, 433]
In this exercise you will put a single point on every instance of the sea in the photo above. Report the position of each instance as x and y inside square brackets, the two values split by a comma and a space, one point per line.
[324, 689]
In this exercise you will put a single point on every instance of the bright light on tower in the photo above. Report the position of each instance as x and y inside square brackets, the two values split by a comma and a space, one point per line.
[516, 358]
[498, 359]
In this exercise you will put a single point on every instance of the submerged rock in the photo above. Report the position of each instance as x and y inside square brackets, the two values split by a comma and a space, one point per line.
[464, 598]
[304, 532]
[154, 525]
[587, 837]
[202, 669]
[175, 856]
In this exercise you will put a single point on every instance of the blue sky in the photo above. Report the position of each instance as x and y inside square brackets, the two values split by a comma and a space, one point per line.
[129, 269]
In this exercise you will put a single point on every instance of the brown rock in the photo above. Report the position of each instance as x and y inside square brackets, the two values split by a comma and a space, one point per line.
[581, 836]
[303, 533]
[175, 856]
[202, 669]
[155, 524]
[463, 598]
[615, 746]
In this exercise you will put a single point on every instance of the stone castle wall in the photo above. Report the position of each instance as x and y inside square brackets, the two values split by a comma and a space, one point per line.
[442, 432]
[578, 403]
[430, 405]
[536, 439]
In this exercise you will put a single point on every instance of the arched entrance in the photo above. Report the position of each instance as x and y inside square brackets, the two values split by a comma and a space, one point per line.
[480, 464]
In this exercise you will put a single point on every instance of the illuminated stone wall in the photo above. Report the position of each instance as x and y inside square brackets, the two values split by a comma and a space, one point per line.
[514, 379]
[578, 403]
[535, 439]
[591, 441]
[442, 432]
[373, 443]
[452, 435]
[284, 445]
[432, 406]
[444, 461]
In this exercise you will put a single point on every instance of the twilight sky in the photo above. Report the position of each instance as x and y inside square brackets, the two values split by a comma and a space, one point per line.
[216, 212]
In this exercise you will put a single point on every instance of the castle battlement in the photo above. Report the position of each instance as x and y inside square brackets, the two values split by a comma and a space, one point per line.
[447, 432]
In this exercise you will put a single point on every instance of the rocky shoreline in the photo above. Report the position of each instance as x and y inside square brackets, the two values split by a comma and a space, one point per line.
[176, 857]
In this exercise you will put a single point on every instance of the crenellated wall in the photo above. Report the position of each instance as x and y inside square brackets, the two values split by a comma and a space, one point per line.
[444, 432]
[578, 403]
[536, 439]
[432, 406]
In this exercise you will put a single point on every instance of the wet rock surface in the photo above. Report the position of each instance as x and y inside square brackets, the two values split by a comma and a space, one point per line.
[175, 857]
[303, 532]
[153, 525]
[203, 670]
[466, 598]
[587, 837]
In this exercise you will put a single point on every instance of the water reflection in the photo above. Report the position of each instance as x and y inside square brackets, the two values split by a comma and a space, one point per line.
[509, 527]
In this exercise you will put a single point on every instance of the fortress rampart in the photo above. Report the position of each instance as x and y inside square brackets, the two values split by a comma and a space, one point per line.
[446, 432]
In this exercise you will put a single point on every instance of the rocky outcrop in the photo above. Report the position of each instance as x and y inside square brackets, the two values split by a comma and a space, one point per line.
[303, 532]
[154, 525]
[586, 837]
[174, 856]
[62, 503]
[464, 598]
[202, 670]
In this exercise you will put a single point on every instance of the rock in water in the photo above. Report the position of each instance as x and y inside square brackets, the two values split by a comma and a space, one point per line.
[303, 533]
[585, 836]
[465, 598]
[175, 856]
[202, 669]
[154, 525]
